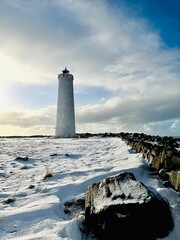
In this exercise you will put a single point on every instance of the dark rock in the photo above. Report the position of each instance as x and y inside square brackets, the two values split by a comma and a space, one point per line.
[22, 158]
[31, 186]
[25, 167]
[53, 155]
[75, 206]
[162, 153]
[120, 207]
[167, 184]
[176, 159]
[164, 174]
[9, 200]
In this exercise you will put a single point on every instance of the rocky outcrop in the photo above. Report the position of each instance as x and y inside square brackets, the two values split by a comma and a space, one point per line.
[120, 207]
[162, 153]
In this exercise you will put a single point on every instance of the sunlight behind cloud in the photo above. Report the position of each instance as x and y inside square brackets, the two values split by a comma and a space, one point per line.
[5, 101]
[27, 122]
[14, 71]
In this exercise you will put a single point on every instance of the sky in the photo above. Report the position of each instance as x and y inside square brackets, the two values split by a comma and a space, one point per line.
[124, 55]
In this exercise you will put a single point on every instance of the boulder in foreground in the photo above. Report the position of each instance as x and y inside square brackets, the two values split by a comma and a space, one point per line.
[120, 207]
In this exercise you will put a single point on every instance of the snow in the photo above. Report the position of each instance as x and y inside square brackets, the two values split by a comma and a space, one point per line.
[38, 212]
[133, 192]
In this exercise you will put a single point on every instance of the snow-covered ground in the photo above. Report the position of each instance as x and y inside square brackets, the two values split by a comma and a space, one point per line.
[38, 213]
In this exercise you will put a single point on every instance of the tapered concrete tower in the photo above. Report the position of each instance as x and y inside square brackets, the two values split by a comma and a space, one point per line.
[65, 122]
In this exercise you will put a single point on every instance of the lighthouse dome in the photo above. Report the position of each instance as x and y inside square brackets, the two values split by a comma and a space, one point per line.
[65, 71]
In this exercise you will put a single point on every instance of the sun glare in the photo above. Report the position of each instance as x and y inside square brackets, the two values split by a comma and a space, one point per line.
[9, 74]
[4, 96]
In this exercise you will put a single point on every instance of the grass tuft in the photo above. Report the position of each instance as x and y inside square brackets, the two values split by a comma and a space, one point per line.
[47, 175]
[9, 200]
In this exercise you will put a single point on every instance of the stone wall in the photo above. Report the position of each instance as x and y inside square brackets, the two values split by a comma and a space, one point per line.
[162, 153]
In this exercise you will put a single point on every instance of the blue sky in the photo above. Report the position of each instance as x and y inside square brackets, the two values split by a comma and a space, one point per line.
[124, 55]
[163, 16]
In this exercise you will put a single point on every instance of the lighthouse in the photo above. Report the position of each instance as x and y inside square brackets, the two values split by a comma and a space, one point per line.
[65, 121]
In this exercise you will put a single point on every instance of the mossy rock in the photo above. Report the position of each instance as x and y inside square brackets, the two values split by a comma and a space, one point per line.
[176, 161]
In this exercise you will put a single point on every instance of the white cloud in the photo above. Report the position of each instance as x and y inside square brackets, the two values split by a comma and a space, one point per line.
[173, 126]
[28, 118]
[27, 121]
[131, 111]
[111, 116]
[86, 36]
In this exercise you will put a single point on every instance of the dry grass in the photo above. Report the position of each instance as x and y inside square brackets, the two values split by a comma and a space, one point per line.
[9, 200]
[47, 175]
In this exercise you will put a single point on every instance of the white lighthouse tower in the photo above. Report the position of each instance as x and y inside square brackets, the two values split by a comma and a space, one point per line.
[65, 122]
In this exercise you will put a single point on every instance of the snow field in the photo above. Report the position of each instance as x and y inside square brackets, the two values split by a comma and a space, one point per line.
[38, 210]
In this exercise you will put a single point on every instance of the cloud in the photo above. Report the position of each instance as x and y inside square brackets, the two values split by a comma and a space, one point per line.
[102, 47]
[173, 126]
[28, 118]
[132, 112]
[142, 115]
[41, 36]
[152, 69]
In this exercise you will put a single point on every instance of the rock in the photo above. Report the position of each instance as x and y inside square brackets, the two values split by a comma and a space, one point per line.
[174, 178]
[162, 153]
[31, 186]
[75, 206]
[176, 160]
[120, 207]
[53, 155]
[166, 184]
[9, 200]
[22, 158]
[156, 161]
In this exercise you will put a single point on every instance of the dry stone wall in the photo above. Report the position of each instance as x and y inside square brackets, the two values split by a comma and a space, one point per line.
[162, 153]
